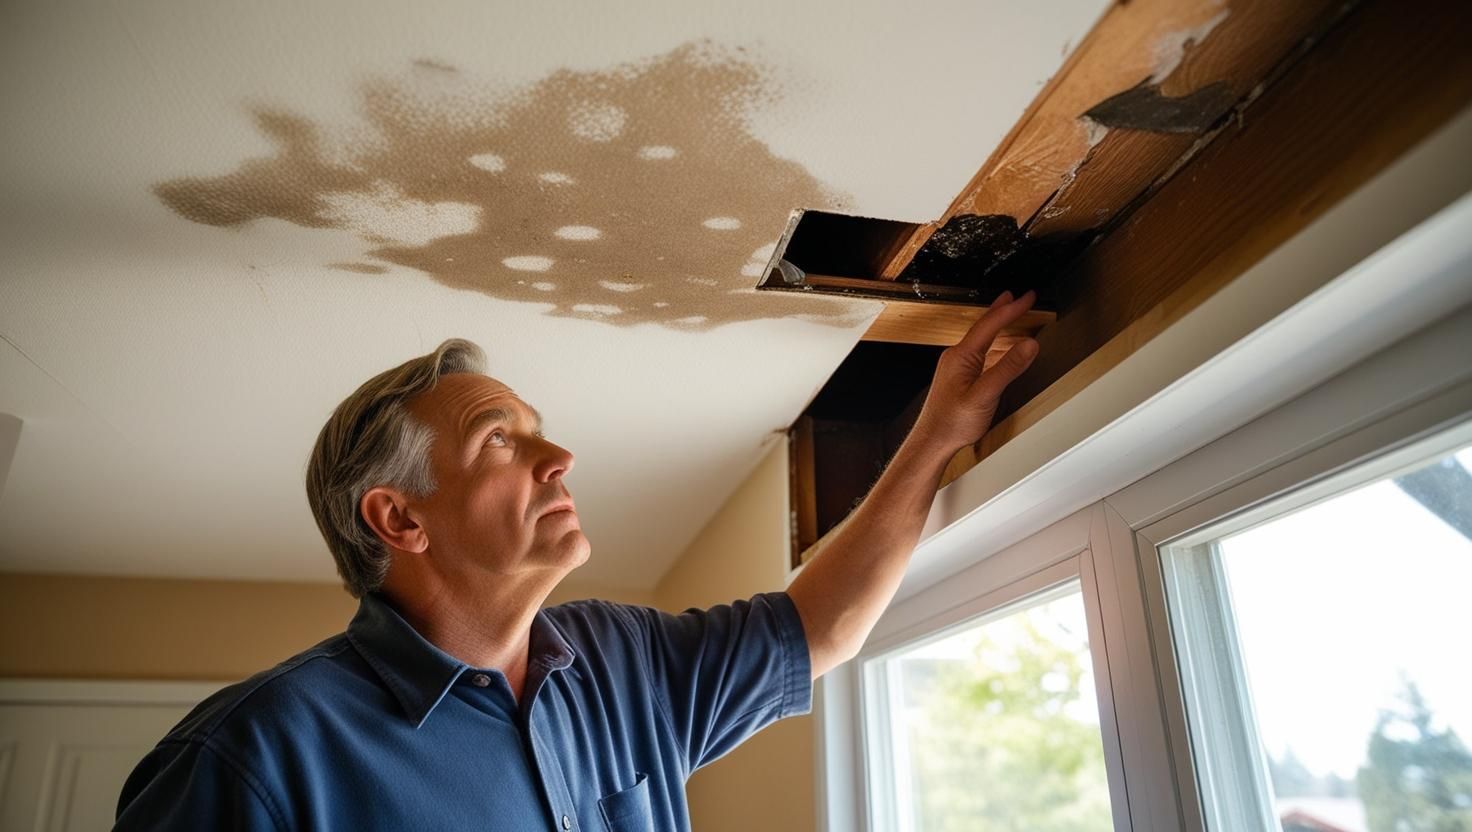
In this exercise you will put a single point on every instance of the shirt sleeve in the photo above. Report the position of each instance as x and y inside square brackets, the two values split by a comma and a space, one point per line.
[726, 672]
[187, 785]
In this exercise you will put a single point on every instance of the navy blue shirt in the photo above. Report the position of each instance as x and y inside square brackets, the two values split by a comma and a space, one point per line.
[376, 728]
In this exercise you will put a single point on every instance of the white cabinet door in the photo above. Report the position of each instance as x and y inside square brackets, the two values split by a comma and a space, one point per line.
[63, 762]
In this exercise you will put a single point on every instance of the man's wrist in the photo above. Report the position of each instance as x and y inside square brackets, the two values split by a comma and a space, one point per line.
[924, 443]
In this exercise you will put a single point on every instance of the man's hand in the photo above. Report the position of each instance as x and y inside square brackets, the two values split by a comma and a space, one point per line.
[962, 400]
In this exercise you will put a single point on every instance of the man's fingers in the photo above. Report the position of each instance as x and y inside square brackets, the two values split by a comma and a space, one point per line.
[1002, 312]
[1017, 359]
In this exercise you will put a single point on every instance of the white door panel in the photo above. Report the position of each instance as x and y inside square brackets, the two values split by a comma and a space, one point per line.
[63, 762]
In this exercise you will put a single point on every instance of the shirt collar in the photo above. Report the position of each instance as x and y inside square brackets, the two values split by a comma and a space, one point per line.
[418, 673]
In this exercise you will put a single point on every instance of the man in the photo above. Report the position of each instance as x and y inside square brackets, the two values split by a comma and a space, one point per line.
[454, 701]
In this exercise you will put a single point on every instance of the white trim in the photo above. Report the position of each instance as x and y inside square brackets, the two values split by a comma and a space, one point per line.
[103, 692]
[1420, 430]
[1357, 279]
[1236, 791]
[1421, 368]
[842, 784]
[952, 600]
[1144, 744]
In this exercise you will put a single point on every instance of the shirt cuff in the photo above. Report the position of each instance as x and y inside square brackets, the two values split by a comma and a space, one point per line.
[797, 663]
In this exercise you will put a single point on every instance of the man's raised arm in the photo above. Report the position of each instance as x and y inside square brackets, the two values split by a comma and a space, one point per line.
[842, 591]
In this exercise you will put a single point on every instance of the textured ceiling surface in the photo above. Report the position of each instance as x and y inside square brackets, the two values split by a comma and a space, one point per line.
[217, 220]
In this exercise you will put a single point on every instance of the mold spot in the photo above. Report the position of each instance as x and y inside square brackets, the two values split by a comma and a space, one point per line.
[616, 286]
[528, 263]
[543, 286]
[703, 281]
[488, 162]
[359, 268]
[660, 304]
[690, 320]
[654, 152]
[596, 308]
[764, 253]
[555, 177]
[722, 223]
[755, 268]
[600, 122]
[578, 232]
[433, 65]
[989, 252]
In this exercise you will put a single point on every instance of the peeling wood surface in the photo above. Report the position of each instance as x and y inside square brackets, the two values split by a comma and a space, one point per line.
[1330, 123]
[1160, 72]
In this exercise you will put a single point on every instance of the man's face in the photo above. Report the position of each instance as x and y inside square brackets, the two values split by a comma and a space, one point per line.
[499, 482]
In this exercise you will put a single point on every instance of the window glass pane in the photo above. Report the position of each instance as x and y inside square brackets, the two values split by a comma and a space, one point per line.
[1352, 619]
[996, 727]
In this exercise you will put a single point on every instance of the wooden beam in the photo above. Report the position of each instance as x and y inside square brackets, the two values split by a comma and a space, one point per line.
[1331, 121]
[916, 313]
[802, 486]
[1128, 104]
[942, 325]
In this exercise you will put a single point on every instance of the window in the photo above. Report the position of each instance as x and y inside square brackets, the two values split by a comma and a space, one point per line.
[1323, 656]
[992, 724]
[1273, 639]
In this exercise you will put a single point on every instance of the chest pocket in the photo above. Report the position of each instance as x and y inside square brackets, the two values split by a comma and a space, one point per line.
[628, 810]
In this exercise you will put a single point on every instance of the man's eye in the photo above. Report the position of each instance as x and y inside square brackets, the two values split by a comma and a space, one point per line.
[496, 433]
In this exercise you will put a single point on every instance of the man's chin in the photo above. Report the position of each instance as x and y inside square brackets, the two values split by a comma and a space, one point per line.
[576, 548]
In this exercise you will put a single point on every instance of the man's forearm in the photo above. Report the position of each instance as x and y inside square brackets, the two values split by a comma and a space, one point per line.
[843, 590]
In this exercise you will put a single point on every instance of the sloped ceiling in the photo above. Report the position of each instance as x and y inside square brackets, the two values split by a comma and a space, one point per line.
[217, 220]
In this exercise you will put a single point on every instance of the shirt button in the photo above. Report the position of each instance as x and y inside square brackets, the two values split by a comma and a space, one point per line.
[480, 680]
[566, 822]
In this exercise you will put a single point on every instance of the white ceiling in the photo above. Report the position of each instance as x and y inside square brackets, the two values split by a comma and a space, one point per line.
[184, 296]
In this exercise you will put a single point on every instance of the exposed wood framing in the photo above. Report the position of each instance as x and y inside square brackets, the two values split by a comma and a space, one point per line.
[1335, 95]
[1330, 122]
[917, 313]
[943, 325]
[1149, 78]
[802, 486]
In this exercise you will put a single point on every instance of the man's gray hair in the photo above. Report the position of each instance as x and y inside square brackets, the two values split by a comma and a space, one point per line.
[370, 440]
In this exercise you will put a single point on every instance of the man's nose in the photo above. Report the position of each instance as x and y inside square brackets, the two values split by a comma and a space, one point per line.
[557, 462]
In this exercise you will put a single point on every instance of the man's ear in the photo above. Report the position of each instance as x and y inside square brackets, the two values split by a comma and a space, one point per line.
[386, 512]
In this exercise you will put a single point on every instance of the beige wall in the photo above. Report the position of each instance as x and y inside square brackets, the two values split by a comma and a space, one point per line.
[767, 782]
[89, 627]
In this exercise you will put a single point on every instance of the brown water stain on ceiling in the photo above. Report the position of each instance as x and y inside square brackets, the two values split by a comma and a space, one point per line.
[631, 195]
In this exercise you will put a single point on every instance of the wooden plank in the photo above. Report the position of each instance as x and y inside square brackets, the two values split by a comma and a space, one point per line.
[943, 324]
[866, 287]
[1330, 123]
[1114, 119]
[802, 487]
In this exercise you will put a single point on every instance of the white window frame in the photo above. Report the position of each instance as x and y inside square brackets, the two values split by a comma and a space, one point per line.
[1397, 442]
[1412, 299]
[1019, 578]
[1311, 448]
